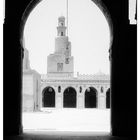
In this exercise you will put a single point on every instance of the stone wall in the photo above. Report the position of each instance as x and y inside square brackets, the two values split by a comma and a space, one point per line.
[30, 90]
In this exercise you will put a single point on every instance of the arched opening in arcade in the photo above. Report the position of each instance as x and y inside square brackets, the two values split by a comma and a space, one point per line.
[108, 98]
[69, 98]
[91, 98]
[48, 97]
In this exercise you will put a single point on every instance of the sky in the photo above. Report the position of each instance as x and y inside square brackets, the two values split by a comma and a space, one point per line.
[88, 32]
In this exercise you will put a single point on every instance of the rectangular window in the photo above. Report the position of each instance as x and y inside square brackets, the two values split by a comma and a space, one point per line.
[61, 33]
[67, 61]
[59, 66]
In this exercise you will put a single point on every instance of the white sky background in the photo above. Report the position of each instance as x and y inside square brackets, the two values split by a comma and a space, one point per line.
[88, 33]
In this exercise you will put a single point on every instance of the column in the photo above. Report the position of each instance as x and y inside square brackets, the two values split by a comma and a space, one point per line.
[59, 98]
[101, 99]
[80, 96]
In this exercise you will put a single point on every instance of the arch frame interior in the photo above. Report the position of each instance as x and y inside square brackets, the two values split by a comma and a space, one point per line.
[76, 96]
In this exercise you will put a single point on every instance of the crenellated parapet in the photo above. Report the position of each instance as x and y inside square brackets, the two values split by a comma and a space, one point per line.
[97, 76]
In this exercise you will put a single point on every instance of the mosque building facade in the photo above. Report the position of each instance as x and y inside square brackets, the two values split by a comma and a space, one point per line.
[59, 88]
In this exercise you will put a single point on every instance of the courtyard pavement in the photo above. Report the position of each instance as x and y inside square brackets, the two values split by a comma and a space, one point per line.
[76, 120]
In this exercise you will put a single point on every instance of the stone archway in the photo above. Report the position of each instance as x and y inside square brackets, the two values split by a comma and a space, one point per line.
[48, 97]
[108, 98]
[69, 98]
[91, 98]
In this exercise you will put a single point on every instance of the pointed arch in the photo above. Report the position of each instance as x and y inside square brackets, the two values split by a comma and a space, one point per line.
[48, 97]
[69, 98]
[91, 98]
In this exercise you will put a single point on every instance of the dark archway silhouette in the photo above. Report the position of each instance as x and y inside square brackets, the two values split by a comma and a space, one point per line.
[90, 98]
[69, 98]
[48, 97]
[108, 98]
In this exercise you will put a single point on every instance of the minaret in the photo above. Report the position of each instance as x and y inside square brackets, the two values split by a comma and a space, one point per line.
[62, 45]
[60, 63]
[61, 28]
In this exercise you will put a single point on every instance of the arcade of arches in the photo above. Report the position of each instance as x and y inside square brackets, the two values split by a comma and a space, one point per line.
[71, 97]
